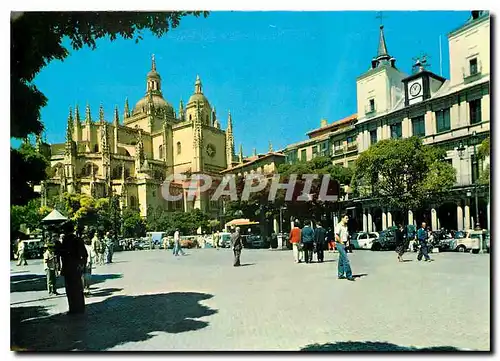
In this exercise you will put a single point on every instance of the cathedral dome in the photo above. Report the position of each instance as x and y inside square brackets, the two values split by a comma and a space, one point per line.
[158, 102]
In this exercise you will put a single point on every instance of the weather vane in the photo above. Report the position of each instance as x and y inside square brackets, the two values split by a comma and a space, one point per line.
[420, 62]
[380, 16]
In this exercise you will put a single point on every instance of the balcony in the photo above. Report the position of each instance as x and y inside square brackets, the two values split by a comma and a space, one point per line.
[370, 110]
[339, 150]
[352, 146]
[471, 74]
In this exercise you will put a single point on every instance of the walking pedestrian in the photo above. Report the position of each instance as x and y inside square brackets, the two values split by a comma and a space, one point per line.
[400, 242]
[295, 240]
[109, 245]
[237, 246]
[51, 266]
[319, 240]
[216, 238]
[21, 253]
[177, 243]
[330, 239]
[73, 257]
[307, 238]
[422, 240]
[341, 236]
[164, 241]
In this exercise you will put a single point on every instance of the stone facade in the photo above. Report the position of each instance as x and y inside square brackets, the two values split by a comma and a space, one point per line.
[132, 156]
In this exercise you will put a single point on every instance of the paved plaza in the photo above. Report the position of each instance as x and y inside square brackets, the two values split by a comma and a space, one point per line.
[151, 300]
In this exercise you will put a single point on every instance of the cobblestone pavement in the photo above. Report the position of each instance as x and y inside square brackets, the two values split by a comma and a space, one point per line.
[151, 300]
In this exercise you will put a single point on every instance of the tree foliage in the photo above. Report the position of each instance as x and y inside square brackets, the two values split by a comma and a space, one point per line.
[402, 173]
[484, 155]
[187, 222]
[37, 38]
[30, 215]
[133, 225]
[28, 168]
[258, 207]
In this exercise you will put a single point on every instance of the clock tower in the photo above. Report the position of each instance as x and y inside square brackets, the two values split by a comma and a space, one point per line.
[421, 85]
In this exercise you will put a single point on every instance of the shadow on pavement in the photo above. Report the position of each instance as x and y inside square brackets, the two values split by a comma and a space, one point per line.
[360, 275]
[32, 282]
[114, 321]
[369, 346]
[247, 264]
[105, 292]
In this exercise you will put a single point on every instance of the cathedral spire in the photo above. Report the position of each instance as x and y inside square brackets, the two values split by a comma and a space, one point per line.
[116, 117]
[229, 123]
[69, 126]
[181, 110]
[197, 85]
[254, 152]
[101, 114]
[270, 147]
[240, 156]
[126, 112]
[153, 63]
[88, 117]
[77, 116]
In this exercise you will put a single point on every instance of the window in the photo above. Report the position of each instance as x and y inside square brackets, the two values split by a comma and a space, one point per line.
[418, 125]
[324, 148]
[132, 201]
[372, 105]
[349, 140]
[475, 111]
[303, 156]
[189, 116]
[443, 120]
[96, 148]
[396, 131]
[473, 66]
[160, 151]
[373, 136]
[315, 150]
[178, 147]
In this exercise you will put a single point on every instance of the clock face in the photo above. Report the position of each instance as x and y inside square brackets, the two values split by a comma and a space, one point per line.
[415, 89]
[210, 150]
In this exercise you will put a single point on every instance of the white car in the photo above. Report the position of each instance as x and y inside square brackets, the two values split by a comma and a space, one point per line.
[364, 240]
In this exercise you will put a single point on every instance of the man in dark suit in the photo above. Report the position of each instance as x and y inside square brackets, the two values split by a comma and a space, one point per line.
[319, 241]
[237, 246]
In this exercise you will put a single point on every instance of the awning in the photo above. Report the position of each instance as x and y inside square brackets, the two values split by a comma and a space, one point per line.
[54, 217]
[240, 222]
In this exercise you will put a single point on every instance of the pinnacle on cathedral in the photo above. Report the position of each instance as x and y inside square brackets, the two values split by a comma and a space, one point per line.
[126, 111]
[88, 117]
[69, 126]
[116, 117]
[77, 116]
[101, 114]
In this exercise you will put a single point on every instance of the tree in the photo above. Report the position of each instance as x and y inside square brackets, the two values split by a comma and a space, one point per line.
[28, 168]
[403, 174]
[484, 155]
[133, 224]
[36, 39]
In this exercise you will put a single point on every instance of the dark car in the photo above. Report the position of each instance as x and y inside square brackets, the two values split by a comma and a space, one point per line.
[386, 240]
[256, 241]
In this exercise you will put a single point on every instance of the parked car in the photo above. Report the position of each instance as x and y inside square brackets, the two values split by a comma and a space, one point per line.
[33, 248]
[257, 241]
[470, 239]
[364, 240]
[224, 240]
[386, 240]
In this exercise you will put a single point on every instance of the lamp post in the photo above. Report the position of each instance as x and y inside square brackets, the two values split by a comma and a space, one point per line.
[461, 149]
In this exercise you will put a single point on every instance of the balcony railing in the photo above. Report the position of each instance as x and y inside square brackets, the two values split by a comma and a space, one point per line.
[470, 74]
[339, 150]
[352, 146]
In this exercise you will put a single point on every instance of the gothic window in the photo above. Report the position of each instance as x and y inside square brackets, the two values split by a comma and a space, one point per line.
[190, 117]
[179, 147]
[96, 148]
[160, 151]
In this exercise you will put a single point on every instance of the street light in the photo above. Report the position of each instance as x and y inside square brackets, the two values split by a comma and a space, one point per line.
[461, 149]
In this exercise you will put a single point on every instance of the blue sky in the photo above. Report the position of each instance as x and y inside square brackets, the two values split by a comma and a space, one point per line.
[278, 72]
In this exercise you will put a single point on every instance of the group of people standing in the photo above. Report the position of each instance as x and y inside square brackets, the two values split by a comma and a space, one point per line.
[306, 241]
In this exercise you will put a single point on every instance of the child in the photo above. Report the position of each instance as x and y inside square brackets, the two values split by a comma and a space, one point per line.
[51, 266]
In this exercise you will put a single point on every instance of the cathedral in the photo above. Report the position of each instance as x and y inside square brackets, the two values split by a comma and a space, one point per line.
[130, 157]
